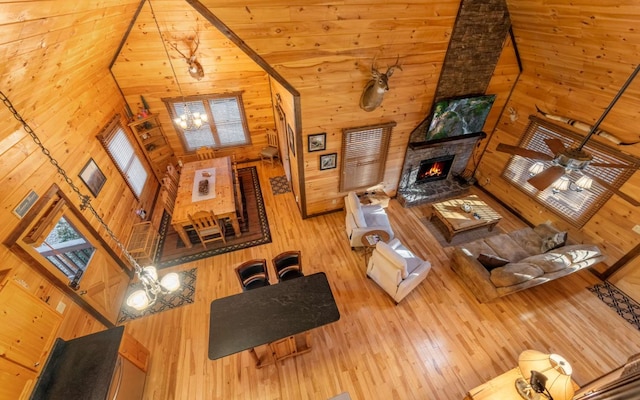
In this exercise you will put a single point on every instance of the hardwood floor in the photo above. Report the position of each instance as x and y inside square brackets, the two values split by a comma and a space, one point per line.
[437, 344]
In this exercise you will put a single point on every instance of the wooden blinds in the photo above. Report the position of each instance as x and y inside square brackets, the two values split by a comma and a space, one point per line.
[364, 154]
[577, 207]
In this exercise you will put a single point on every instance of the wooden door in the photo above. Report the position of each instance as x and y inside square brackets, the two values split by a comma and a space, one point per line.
[81, 262]
[16, 382]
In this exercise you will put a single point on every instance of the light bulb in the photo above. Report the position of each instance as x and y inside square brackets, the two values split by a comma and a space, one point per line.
[170, 281]
[138, 300]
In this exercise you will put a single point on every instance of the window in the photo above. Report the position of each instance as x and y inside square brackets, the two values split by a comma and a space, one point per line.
[577, 207]
[67, 249]
[364, 154]
[119, 147]
[226, 124]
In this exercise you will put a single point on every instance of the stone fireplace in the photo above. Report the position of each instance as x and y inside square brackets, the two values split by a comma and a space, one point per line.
[430, 170]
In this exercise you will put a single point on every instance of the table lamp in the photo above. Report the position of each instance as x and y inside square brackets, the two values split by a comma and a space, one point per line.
[556, 384]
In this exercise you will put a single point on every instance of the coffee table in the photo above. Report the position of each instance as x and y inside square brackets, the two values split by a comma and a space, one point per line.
[369, 241]
[456, 220]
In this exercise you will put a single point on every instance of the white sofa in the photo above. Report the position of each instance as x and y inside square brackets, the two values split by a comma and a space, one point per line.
[361, 219]
[396, 269]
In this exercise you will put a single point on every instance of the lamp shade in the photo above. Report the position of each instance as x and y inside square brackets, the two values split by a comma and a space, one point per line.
[584, 182]
[559, 384]
[138, 300]
[170, 281]
[562, 183]
[536, 168]
[554, 367]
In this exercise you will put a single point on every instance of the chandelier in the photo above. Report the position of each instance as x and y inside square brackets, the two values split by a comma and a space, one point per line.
[190, 120]
[148, 276]
[187, 120]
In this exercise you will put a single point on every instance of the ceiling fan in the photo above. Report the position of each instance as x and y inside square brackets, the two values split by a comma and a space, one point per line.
[568, 159]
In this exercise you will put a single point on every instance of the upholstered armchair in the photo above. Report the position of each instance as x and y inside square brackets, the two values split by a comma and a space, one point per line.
[362, 219]
[396, 269]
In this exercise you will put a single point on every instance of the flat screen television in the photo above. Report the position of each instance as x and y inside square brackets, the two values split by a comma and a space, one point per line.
[458, 116]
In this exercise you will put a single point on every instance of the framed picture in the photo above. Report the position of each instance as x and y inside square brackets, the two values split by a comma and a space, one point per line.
[328, 161]
[92, 177]
[317, 142]
[292, 143]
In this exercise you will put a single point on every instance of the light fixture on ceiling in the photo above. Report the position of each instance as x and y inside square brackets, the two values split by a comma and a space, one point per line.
[564, 182]
[547, 374]
[148, 276]
[188, 120]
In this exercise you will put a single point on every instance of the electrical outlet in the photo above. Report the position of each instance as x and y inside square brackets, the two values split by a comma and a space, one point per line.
[636, 229]
[60, 308]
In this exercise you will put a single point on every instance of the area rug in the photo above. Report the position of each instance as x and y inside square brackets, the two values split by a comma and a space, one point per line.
[165, 302]
[437, 228]
[617, 300]
[254, 228]
[280, 185]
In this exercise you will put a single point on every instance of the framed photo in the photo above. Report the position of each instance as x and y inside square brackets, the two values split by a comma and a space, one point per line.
[328, 161]
[92, 177]
[292, 143]
[317, 142]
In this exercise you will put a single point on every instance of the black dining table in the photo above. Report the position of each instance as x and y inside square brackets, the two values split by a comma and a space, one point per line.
[266, 314]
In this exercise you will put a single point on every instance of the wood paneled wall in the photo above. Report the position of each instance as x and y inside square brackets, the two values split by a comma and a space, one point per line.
[143, 69]
[55, 73]
[575, 58]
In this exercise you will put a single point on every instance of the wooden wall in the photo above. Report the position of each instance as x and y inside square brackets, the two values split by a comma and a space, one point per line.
[575, 58]
[143, 69]
[55, 73]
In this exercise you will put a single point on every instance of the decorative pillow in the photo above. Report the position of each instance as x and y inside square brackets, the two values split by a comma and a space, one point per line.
[489, 261]
[554, 241]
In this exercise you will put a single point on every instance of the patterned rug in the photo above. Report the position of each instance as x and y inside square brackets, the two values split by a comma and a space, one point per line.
[165, 302]
[614, 298]
[437, 228]
[254, 228]
[280, 185]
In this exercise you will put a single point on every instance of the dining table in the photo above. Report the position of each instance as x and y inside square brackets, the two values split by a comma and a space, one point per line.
[264, 315]
[205, 185]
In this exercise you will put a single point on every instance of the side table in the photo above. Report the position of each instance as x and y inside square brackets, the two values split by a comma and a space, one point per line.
[369, 241]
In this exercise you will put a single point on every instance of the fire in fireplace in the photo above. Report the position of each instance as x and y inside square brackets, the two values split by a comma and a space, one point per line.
[434, 169]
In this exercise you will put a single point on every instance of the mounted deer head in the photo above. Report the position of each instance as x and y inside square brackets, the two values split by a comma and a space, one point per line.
[195, 68]
[373, 92]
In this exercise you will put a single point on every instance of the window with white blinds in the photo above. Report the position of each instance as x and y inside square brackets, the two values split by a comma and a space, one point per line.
[364, 155]
[226, 122]
[577, 207]
[119, 147]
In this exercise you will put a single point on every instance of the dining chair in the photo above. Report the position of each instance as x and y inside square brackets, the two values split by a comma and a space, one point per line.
[170, 184]
[288, 265]
[208, 227]
[172, 172]
[253, 274]
[271, 151]
[205, 153]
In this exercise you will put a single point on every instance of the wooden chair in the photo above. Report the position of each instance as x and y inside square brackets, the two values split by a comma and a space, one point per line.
[288, 265]
[207, 227]
[205, 153]
[238, 199]
[253, 274]
[271, 151]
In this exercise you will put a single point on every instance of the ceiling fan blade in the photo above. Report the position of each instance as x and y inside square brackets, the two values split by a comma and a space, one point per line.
[610, 188]
[555, 145]
[519, 151]
[622, 166]
[545, 178]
